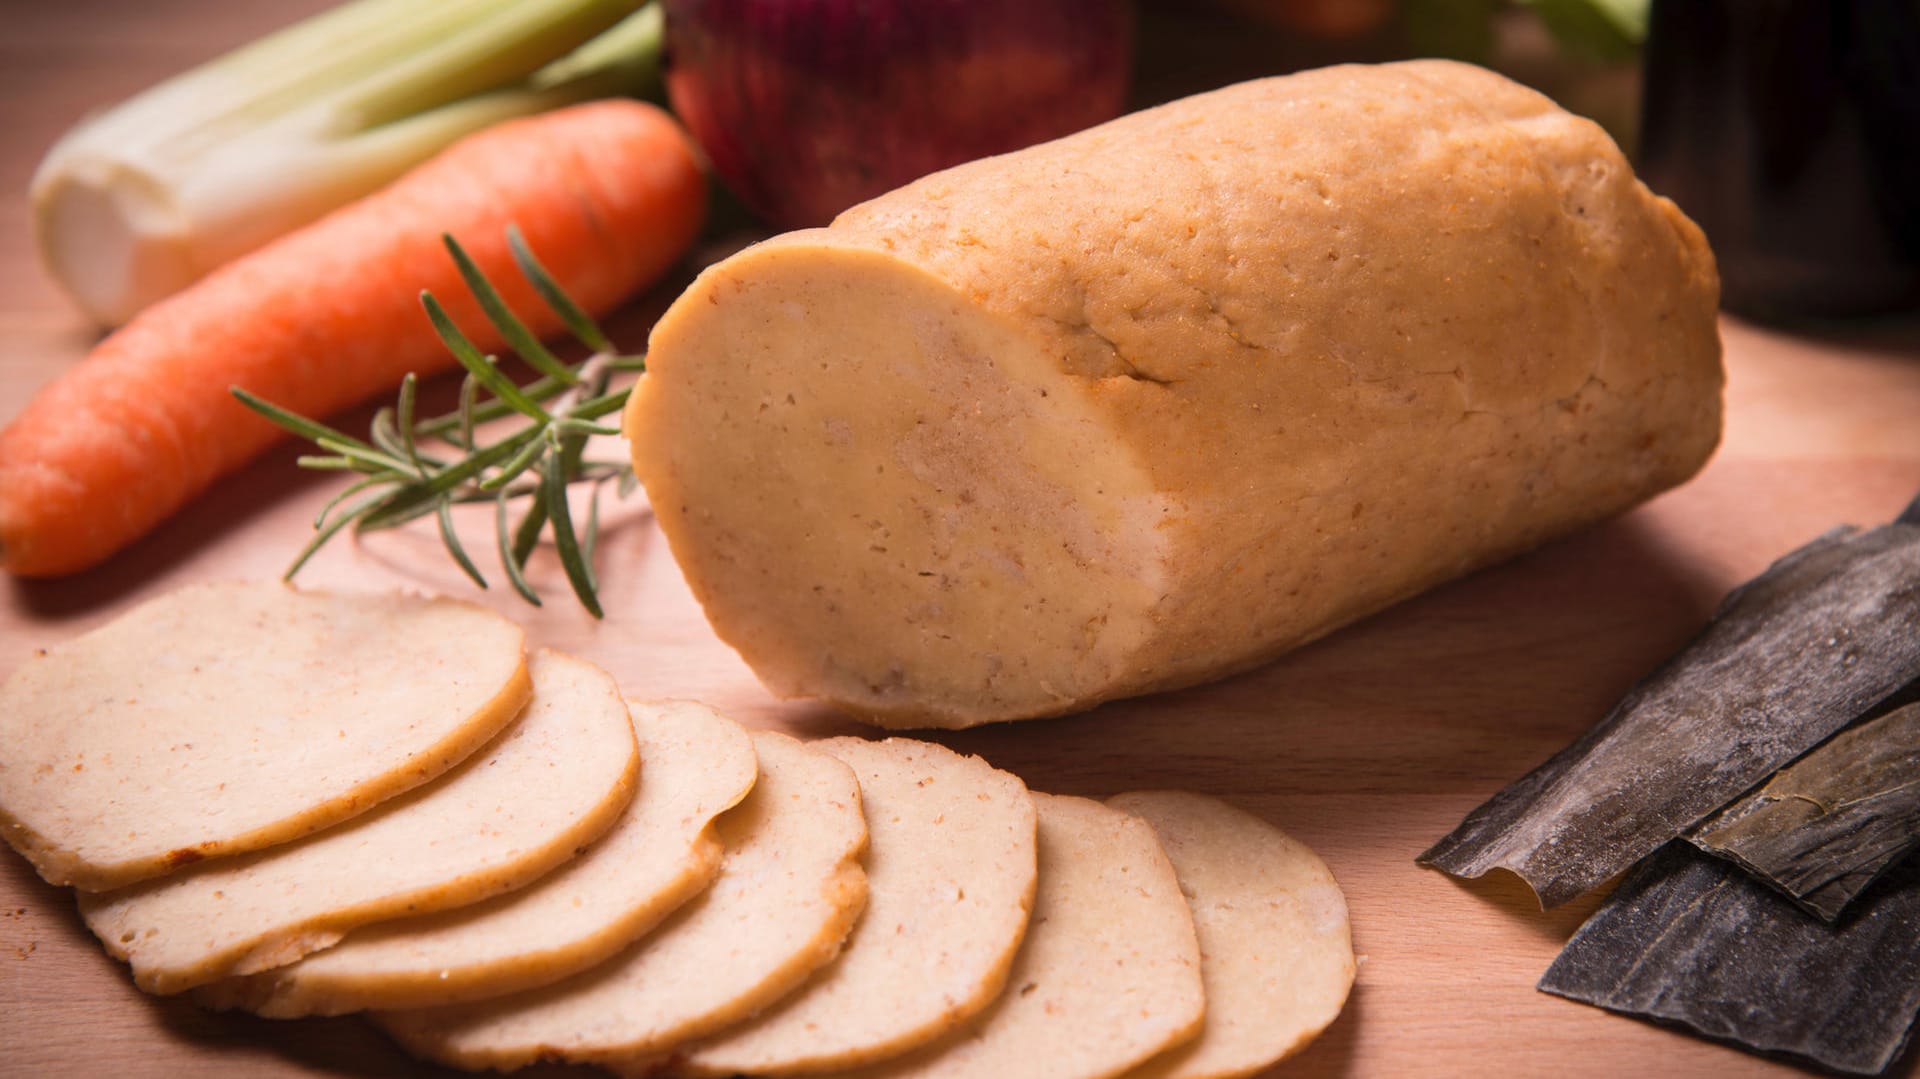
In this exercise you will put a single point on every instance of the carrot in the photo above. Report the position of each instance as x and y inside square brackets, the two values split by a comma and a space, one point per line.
[608, 195]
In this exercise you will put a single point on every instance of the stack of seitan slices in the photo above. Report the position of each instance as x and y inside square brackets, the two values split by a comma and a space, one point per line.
[663, 851]
[390, 808]
[230, 717]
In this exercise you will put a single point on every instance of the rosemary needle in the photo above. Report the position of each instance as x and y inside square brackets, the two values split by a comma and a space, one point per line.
[536, 464]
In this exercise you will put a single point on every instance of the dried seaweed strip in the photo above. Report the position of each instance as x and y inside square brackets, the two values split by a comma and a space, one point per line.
[1691, 939]
[1825, 826]
[1819, 639]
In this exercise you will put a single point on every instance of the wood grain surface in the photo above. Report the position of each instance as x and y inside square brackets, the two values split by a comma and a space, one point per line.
[1368, 745]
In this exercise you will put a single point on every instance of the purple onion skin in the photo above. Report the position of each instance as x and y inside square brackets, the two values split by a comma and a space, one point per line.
[806, 107]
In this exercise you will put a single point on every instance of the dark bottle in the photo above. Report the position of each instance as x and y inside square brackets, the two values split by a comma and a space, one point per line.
[1790, 131]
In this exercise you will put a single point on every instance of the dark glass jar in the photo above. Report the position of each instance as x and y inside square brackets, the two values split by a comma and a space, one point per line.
[1790, 131]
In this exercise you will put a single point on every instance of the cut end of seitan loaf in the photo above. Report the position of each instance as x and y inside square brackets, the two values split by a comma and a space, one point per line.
[1161, 400]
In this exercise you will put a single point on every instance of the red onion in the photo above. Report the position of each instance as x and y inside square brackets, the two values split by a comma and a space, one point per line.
[806, 107]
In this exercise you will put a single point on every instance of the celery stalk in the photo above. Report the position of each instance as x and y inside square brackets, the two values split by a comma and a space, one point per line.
[149, 196]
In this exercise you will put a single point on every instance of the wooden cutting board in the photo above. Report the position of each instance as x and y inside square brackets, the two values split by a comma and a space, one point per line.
[1368, 745]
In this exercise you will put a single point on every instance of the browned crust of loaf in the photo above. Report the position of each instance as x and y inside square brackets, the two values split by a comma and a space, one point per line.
[1367, 328]
[967, 225]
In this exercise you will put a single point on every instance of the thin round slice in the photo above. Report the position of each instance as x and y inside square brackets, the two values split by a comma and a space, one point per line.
[666, 848]
[787, 895]
[1109, 975]
[950, 875]
[224, 718]
[547, 786]
[1276, 952]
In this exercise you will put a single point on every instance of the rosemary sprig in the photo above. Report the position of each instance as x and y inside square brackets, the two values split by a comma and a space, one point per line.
[414, 467]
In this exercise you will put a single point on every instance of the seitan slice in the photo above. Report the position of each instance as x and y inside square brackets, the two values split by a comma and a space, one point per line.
[951, 876]
[1109, 975]
[665, 849]
[548, 785]
[223, 718]
[1276, 951]
[787, 895]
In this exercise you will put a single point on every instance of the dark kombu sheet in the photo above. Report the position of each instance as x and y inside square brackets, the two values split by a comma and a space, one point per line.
[1692, 939]
[1829, 824]
[1780, 740]
[1821, 638]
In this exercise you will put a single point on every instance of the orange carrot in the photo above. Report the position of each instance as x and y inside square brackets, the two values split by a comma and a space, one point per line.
[608, 195]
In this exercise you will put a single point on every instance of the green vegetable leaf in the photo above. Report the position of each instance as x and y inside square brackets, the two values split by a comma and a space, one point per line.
[1606, 31]
[478, 364]
[576, 320]
[554, 489]
[512, 330]
[451, 537]
[507, 557]
[534, 464]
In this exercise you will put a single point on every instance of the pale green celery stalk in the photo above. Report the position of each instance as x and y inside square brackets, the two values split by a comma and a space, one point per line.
[1607, 31]
[144, 199]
